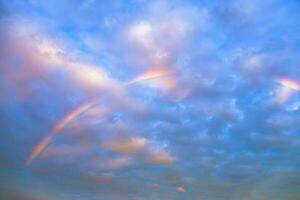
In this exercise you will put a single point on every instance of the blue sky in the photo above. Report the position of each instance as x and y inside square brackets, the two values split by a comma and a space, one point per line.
[218, 119]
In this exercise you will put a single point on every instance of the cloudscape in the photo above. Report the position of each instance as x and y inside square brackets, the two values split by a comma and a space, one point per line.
[149, 100]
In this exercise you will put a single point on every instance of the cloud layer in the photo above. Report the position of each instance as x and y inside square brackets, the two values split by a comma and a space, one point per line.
[191, 100]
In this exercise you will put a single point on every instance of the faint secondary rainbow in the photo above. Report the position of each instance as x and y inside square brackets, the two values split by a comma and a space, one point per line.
[151, 74]
[295, 85]
[58, 127]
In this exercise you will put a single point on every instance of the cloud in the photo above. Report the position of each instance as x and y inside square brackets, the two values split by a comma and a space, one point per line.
[53, 58]
[282, 95]
[141, 147]
[126, 145]
[114, 163]
[180, 189]
[213, 124]
[160, 156]
[14, 194]
[158, 35]
[65, 151]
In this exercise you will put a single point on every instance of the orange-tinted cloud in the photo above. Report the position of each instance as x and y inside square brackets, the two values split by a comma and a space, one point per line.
[180, 189]
[160, 156]
[126, 145]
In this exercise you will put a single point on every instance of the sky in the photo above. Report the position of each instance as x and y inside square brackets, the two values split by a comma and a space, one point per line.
[149, 100]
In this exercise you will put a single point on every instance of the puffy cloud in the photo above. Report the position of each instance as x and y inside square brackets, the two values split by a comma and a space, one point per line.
[126, 145]
[180, 189]
[144, 149]
[160, 156]
[161, 33]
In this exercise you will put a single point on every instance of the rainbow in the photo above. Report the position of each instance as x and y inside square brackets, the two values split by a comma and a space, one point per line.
[289, 83]
[148, 75]
[57, 128]
[151, 74]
